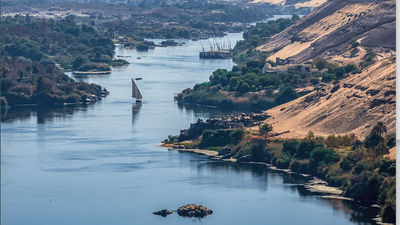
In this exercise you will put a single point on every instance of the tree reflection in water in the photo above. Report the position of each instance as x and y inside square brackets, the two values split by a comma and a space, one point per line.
[43, 113]
[260, 175]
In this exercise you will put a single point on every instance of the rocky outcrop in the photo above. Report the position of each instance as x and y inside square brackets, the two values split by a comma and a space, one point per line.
[163, 212]
[193, 210]
[190, 210]
[229, 122]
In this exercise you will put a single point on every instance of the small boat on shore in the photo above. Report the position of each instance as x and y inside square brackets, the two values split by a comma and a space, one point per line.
[135, 92]
[138, 78]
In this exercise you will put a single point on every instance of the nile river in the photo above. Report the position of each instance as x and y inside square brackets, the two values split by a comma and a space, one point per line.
[102, 165]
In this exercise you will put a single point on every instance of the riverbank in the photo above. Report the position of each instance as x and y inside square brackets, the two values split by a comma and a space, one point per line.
[313, 184]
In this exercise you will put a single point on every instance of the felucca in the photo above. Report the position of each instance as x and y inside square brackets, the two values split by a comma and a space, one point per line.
[135, 92]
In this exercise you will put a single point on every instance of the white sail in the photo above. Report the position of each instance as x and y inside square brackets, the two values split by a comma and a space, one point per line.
[135, 91]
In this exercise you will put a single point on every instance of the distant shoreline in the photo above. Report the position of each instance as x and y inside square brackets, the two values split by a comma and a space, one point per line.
[91, 72]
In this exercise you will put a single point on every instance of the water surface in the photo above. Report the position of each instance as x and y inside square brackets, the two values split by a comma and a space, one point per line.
[101, 165]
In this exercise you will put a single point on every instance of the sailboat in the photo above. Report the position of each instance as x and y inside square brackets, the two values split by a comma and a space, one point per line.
[135, 92]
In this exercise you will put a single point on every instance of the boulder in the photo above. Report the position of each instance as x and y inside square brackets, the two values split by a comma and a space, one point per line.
[193, 210]
[163, 213]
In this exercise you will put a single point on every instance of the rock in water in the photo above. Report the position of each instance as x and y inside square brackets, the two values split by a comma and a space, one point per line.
[163, 213]
[192, 210]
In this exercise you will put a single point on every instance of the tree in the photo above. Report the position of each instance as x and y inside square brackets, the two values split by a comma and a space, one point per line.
[375, 141]
[79, 61]
[376, 136]
[265, 128]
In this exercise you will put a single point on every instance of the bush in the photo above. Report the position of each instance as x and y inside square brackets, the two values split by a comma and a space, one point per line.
[290, 146]
[258, 152]
[300, 166]
[360, 167]
[305, 148]
[346, 164]
[220, 137]
[364, 186]
[283, 161]
[323, 156]
[265, 128]
[368, 58]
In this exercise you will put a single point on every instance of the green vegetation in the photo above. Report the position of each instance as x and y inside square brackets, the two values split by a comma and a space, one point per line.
[265, 128]
[333, 71]
[354, 44]
[368, 58]
[30, 52]
[118, 62]
[248, 86]
[256, 35]
[56, 41]
[358, 168]
[211, 138]
[24, 81]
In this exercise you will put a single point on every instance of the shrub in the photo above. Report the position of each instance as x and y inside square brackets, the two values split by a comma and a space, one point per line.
[290, 146]
[321, 155]
[364, 186]
[360, 167]
[265, 128]
[387, 166]
[346, 164]
[283, 161]
[220, 137]
[304, 149]
[258, 152]
[300, 166]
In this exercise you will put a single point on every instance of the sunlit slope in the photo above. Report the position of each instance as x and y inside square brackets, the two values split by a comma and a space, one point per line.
[327, 30]
[356, 103]
[296, 3]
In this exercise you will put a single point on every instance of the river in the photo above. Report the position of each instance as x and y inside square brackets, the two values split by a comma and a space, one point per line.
[102, 164]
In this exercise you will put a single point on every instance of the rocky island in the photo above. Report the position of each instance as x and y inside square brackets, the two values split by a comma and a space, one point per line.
[190, 210]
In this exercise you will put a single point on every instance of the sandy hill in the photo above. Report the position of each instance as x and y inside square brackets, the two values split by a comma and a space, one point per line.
[296, 3]
[327, 30]
[356, 103]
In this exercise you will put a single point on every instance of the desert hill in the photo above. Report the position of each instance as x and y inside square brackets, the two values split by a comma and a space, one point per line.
[296, 3]
[327, 30]
[355, 103]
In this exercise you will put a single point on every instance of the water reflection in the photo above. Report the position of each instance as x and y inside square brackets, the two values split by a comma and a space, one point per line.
[211, 112]
[237, 176]
[43, 114]
[135, 111]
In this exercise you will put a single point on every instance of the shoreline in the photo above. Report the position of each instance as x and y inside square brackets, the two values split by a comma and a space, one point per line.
[314, 185]
[91, 72]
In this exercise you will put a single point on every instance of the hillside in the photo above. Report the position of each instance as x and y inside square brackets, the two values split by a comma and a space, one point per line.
[356, 103]
[296, 3]
[328, 30]
[353, 105]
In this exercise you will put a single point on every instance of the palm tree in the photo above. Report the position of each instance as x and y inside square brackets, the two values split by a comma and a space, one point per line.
[379, 129]
[375, 141]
